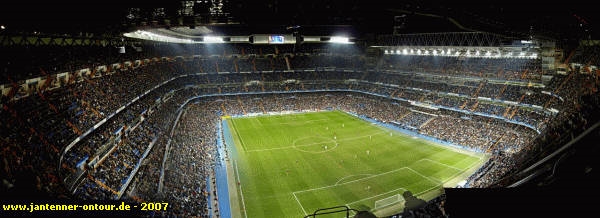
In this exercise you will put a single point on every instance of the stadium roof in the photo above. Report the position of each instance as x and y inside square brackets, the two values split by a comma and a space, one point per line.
[313, 16]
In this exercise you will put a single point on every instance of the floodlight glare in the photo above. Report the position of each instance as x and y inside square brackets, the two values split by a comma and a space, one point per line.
[341, 40]
[156, 37]
[213, 39]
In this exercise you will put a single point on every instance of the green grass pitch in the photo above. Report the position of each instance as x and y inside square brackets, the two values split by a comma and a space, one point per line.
[292, 165]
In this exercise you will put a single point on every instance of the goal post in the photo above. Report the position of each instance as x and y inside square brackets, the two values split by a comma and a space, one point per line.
[391, 200]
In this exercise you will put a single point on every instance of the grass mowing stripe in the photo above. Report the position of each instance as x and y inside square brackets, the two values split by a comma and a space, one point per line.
[237, 134]
[296, 197]
[357, 180]
[280, 162]
[237, 172]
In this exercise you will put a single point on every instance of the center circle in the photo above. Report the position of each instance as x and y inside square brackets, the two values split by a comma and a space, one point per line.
[315, 144]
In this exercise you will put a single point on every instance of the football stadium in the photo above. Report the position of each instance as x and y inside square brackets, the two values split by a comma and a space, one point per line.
[246, 109]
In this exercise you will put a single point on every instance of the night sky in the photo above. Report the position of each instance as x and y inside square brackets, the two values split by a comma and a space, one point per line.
[373, 16]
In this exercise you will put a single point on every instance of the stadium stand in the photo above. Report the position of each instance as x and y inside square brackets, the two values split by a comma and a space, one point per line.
[98, 124]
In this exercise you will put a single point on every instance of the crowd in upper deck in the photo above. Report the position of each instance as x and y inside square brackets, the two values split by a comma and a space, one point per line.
[37, 125]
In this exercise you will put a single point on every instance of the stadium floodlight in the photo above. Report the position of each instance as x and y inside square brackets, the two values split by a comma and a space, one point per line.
[145, 35]
[340, 40]
[469, 52]
[212, 39]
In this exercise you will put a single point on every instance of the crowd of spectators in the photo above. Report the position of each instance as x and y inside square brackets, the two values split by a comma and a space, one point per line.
[35, 129]
[576, 118]
[505, 68]
[190, 160]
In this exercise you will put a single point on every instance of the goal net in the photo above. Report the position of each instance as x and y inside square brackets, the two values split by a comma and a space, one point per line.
[397, 198]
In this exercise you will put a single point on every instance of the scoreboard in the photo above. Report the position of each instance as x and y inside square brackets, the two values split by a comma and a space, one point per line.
[273, 39]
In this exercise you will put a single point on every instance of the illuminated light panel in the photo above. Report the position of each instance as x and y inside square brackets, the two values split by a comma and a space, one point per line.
[145, 35]
[340, 40]
[455, 52]
[213, 39]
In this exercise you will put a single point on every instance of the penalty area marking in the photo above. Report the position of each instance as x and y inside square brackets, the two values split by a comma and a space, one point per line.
[351, 181]
[427, 159]
[303, 210]
[459, 170]
[347, 204]
[416, 194]
[348, 176]
[437, 184]
[324, 187]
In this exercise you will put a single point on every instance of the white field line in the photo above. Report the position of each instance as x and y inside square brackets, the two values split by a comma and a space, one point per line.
[426, 177]
[443, 164]
[303, 210]
[376, 195]
[469, 153]
[302, 122]
[304, 145]
[453, 175]
[237, 172]
[462, 151]
[368, 177]
[238, 135]
[416, 194]
[439, 183]
[367, 174]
